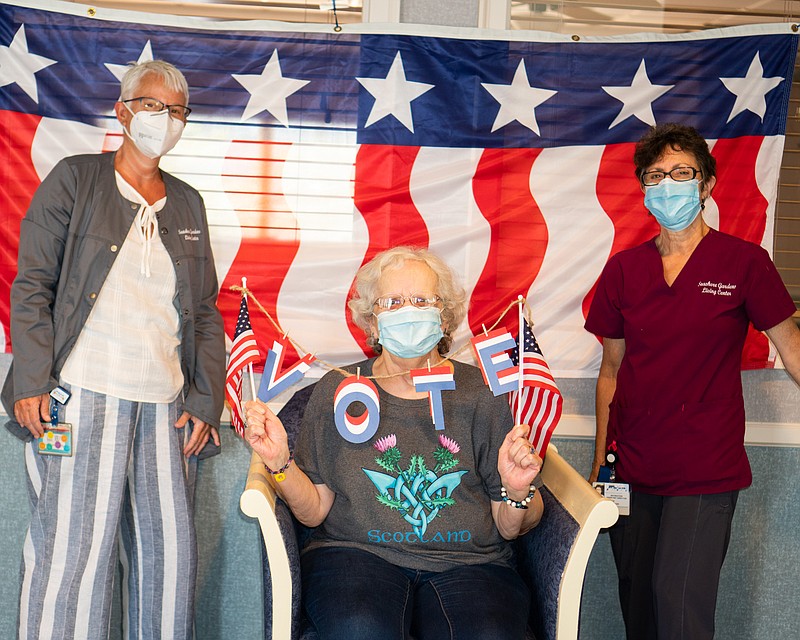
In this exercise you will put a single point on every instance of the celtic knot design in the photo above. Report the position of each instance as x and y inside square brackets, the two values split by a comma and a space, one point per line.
[417, 493]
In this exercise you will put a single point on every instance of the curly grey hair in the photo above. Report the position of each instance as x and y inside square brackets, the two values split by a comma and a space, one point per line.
[361, 304]
[169, 74]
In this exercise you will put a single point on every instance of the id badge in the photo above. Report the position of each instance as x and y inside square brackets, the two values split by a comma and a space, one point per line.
[618, 492]
[57, 440]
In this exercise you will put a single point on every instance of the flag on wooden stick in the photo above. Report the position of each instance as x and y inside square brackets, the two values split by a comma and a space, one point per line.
[244, 352]
[538, 402]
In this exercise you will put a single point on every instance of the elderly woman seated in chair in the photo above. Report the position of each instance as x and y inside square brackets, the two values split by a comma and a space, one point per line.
[417, 546]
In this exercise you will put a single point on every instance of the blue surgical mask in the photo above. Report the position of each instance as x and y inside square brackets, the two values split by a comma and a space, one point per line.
[674, 205]
[410, 332]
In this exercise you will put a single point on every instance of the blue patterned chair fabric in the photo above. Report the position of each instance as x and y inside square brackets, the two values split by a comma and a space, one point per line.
[542, 554]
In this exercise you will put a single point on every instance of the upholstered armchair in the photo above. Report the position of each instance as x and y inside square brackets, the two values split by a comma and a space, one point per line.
[552, 558]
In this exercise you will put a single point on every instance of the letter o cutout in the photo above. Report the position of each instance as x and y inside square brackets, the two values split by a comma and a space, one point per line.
[362, 428]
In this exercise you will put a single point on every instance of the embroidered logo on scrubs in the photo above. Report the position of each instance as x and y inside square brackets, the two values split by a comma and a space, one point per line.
[716, 288]
[192, 235]
[417, 493]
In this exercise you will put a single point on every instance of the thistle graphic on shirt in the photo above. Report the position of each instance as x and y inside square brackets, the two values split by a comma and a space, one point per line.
[417, 493]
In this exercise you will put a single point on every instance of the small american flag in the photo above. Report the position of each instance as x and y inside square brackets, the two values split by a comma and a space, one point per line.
[244, 351]
[540, 397]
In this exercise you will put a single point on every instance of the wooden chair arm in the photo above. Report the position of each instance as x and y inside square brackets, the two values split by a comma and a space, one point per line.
[258, 501]
[593, 512]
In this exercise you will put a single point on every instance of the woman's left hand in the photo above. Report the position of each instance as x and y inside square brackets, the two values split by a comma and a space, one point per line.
[518, 462]
[201, 433]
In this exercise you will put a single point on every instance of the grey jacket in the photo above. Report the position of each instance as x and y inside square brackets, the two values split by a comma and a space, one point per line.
[69, 238]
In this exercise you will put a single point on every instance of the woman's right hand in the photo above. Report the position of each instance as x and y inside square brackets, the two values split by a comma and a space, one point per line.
[32, 412]
[266, 435]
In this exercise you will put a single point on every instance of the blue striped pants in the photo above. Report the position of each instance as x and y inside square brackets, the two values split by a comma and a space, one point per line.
[127, 487]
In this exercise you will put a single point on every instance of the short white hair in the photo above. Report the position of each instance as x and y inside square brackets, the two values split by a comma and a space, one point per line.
[169, 74]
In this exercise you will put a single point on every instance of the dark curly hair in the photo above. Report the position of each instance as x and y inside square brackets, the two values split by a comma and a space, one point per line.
[677, 137]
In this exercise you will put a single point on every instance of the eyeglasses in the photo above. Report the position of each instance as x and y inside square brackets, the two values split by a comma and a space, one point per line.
[395, 301]
[678, 174]
[177, 111]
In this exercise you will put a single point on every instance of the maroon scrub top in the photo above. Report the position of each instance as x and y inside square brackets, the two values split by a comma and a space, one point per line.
[677, 415]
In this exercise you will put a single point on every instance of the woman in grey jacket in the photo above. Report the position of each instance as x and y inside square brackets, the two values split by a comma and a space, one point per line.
[118, 347]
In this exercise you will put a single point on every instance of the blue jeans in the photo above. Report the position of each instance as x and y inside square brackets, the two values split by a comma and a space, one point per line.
[349, 594]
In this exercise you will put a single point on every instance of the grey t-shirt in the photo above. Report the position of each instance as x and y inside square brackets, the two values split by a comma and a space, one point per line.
[423, 504]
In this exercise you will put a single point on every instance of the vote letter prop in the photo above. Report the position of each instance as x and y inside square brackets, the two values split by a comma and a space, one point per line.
[499, 373]
[434, 381]
[356, 429]
[272, 384]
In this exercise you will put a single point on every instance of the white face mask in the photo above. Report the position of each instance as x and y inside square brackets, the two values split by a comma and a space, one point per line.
[154, 133]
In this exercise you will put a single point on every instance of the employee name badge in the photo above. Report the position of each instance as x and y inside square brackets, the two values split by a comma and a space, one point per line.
[618, 492]
[57, 438]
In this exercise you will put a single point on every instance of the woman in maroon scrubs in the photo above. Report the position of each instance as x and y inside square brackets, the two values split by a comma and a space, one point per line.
[673, 314]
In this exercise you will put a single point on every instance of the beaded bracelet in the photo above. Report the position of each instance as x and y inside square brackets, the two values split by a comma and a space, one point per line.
[522, 504]
[280, 474]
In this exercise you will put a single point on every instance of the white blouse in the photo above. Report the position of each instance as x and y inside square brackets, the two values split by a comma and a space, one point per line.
[129, 346]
